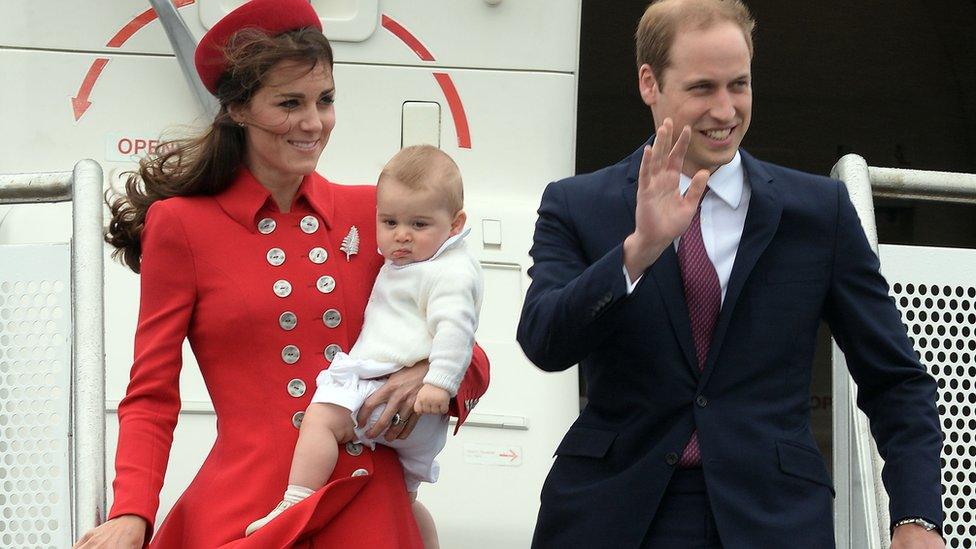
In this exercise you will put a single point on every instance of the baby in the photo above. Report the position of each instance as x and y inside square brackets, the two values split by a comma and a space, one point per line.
[424, 305]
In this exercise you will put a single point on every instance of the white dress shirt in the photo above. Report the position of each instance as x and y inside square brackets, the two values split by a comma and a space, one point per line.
[723, 216]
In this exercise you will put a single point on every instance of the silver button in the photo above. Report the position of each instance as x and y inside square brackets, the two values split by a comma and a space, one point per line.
[309, 224]
[296, 388]
[287, 320]
[282, 288]
[318, 255]
[332, 318]
[296, 420]
[360, 473]
[331, 350]
[325, 284]
[276, 256]
[266, 225]
[354, 449]
[290, 354]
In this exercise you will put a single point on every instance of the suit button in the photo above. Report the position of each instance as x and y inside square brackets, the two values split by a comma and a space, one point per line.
[331, 318]
[282, 288]
[276, 257]
[287, 320]
[360, 473]
[290, 354]
[266, 225]
[309, 224]
[671, 458]
[354, 449]
[701, 401]
[296, 420]
[331, 351]
[318, 255]
[296, 388]
[325, 284]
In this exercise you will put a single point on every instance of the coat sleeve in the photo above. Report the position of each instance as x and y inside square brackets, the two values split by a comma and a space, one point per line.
[567, 312]
[149, 411]
[473, 386]
[452, 317]
[894, 390]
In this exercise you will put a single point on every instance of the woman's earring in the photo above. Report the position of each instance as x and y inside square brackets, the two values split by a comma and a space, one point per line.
[242, 124]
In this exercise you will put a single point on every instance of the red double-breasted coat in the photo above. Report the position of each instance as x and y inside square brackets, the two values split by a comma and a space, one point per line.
[265, 298]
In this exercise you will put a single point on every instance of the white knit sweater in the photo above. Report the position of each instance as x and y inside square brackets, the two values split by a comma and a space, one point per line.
[428, 309]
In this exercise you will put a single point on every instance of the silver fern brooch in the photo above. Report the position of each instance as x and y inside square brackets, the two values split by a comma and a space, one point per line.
[350, 244]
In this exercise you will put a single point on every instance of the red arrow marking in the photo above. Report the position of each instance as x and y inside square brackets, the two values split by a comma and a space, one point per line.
[140, 21]
[457, 109]
[509, 454]
[80, 102]
[408, 39]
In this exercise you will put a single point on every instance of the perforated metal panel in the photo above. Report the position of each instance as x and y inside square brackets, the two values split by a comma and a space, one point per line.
[35, 376]
[935, 289]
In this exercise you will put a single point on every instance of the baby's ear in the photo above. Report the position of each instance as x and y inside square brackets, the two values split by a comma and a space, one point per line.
[458, 223]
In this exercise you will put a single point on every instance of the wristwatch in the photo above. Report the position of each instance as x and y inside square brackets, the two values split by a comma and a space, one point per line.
[916, 520]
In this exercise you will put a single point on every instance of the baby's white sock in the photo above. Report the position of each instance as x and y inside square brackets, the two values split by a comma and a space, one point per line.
[296, 493]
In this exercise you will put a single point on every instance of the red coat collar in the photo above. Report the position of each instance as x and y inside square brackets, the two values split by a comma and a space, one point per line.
[245, 197]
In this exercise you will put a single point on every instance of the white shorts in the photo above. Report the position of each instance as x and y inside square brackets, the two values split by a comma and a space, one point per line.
[349, 382]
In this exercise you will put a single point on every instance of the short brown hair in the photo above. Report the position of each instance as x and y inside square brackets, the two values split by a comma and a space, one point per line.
[663, 18]
[423, 168]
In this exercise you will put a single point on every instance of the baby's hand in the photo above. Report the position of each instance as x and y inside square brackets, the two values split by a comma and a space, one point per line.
[431, 400]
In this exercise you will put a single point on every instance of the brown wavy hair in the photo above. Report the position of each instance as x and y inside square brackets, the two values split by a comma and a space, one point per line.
[206, 164]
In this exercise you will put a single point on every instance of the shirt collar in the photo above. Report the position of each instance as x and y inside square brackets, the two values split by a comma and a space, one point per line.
[726, 182]
[245, 197]
[452, 242]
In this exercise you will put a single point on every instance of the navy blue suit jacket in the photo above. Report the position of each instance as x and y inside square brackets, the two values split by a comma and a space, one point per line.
[803, 257]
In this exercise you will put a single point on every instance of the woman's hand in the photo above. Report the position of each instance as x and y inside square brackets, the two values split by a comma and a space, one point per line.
[123, 532]
[399, 394]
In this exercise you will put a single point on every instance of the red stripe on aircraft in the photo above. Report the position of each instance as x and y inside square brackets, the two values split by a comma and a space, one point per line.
[408, 38]
[140, 21]
[457, 109]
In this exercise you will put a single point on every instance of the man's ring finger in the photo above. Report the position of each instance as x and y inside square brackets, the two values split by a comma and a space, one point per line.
[396, 419]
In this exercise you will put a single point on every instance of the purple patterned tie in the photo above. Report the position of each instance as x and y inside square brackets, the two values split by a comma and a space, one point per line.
[703, 294]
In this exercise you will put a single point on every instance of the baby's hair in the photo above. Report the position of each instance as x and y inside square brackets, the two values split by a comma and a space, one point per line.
[423, 168]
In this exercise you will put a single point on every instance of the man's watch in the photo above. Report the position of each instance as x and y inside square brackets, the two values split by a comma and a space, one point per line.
[916, 520]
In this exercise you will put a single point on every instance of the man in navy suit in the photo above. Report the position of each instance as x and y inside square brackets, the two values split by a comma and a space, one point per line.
[688, 281]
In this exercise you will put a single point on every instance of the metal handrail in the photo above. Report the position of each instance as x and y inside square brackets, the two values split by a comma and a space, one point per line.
[850, 424]
[864, 183]
[83, 187]
[923, 185]
[34, 188]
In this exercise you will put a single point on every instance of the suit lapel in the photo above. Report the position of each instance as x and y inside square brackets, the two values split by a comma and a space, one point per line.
[762, 220]
[666, 274]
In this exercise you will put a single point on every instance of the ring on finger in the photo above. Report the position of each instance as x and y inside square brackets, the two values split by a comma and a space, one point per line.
[396, 419]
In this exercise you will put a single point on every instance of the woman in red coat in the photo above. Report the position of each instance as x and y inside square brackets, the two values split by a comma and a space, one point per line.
[266, 267]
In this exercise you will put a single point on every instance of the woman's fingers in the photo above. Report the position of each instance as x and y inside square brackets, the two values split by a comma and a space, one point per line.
[123, 532]
[385, 421]
[366, 410]
[408, 427]
[80, 544]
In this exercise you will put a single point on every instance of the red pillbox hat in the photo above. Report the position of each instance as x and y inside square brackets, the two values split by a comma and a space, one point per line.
[272, 16]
